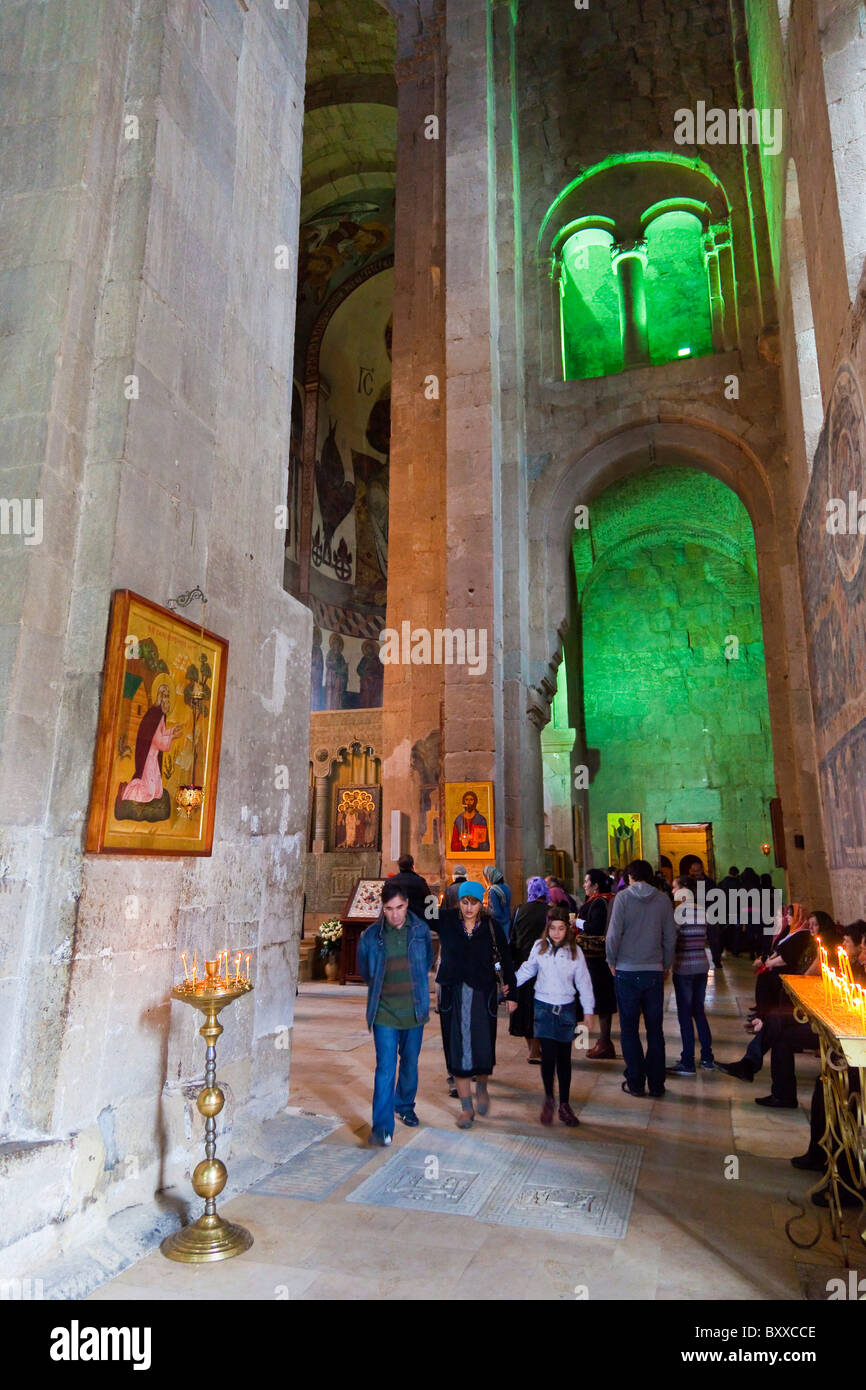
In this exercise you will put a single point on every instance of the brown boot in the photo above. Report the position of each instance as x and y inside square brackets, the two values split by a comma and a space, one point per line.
[547, 1110]
[567, 1115]
[601, 1052]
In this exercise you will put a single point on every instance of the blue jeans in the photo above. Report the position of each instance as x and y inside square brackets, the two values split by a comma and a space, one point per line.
[641, 992]
[690, 991]
[388, 1097]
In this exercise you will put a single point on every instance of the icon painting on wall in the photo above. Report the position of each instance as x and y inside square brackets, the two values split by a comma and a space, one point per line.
[356, 817]
[469, 818]
[624, 839]
[158, 742]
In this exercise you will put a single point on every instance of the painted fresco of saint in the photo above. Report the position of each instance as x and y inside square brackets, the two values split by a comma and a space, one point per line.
[469, 831]
[144, 797]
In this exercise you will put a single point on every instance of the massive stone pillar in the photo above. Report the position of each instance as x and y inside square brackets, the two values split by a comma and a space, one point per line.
[417, 547]
[150, 324]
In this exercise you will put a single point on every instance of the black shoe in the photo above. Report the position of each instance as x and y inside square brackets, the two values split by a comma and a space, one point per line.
[846, 1198]
[773, 1103]
[708, 1066]
[657, 1095]
[741, 1070]
[628, 1089]
[378, 1141]
[410, 1118]
[811, 1162]
[680, 1070]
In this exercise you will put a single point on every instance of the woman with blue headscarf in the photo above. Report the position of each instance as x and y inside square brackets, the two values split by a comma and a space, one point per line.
[475, 963]
[529, 923]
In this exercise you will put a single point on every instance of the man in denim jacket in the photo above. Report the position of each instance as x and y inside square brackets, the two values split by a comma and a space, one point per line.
[395, 956]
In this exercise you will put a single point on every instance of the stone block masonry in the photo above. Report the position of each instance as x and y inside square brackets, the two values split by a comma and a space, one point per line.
[145, 258]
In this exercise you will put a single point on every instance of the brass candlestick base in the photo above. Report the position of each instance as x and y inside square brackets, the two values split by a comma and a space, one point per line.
[210, 1237]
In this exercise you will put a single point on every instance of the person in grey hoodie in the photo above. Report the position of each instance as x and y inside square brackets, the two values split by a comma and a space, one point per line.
[639, 948]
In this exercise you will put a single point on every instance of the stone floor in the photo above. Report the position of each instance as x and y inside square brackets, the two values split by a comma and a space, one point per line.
[693, 1232]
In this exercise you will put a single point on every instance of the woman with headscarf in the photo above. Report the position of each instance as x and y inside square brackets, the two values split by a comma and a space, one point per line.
[498, 898]
[529, 923]
[592, 928]
[475, 963]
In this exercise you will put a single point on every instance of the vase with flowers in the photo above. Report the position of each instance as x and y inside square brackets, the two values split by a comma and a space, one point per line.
[330, 936]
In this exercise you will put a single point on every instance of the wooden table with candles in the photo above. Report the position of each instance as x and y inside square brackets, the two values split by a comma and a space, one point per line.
[835, 1007]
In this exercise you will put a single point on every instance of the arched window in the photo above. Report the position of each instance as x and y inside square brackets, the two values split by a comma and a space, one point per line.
[677, 294]
[640, 258]
[589, 311]
[811, 403]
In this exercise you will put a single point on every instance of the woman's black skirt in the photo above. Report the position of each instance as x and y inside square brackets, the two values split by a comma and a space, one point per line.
[602, 985]
[468, 1019]
[520, 1021]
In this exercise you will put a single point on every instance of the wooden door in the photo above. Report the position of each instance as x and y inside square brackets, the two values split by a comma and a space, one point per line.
[681, 839]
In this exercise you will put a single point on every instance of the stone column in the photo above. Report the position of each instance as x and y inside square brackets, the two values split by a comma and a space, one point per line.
[556, 752]
[714, 290]
[629, 260]
[473, 705]
[721, 287]
[412, 695]
[320, 813]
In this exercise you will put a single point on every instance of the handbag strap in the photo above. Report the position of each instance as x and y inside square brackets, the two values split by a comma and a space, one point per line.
[497, 954]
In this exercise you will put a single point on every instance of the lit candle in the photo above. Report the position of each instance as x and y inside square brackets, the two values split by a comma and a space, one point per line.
[185, 971]
[845, 965]
[226, 954]
[247, 976]
[237, 968]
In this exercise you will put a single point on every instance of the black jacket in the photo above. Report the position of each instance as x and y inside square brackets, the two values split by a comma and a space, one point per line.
[468, 960]
[416, 889]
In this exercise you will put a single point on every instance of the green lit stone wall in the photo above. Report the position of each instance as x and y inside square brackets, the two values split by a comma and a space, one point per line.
[681, 733]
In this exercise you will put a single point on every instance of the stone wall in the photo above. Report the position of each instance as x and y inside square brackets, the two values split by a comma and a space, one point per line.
[149, 335]
[816, 73]
[541, 96]
[677, 731]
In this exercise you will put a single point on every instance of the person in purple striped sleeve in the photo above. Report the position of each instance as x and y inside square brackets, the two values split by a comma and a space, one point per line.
[690, 973]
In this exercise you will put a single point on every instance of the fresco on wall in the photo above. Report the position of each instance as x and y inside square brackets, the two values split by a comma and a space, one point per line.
[345, 671]
[336, 242]
[833, 577]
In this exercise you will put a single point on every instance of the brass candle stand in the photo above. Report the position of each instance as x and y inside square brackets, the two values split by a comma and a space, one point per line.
[210, 1237]
[843, 1049]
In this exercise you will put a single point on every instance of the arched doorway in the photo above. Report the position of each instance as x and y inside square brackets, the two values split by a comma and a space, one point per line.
[640, 451]
[668, 668]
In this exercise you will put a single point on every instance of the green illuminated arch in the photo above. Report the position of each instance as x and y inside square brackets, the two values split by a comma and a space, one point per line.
[671, 664]
[674, 294]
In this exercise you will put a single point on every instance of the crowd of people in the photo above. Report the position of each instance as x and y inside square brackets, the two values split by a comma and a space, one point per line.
[558, 966]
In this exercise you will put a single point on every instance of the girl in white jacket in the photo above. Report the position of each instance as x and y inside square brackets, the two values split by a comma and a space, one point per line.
[561, 977]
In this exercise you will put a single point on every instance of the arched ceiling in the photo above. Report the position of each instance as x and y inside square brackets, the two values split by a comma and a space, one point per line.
[656, 507]
[350, 151]
[345, 140]
[350, 121]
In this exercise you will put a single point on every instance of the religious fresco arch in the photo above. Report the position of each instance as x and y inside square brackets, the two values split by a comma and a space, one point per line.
[336, 556]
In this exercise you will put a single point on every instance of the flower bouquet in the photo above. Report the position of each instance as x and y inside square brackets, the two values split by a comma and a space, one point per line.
[330, 935]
